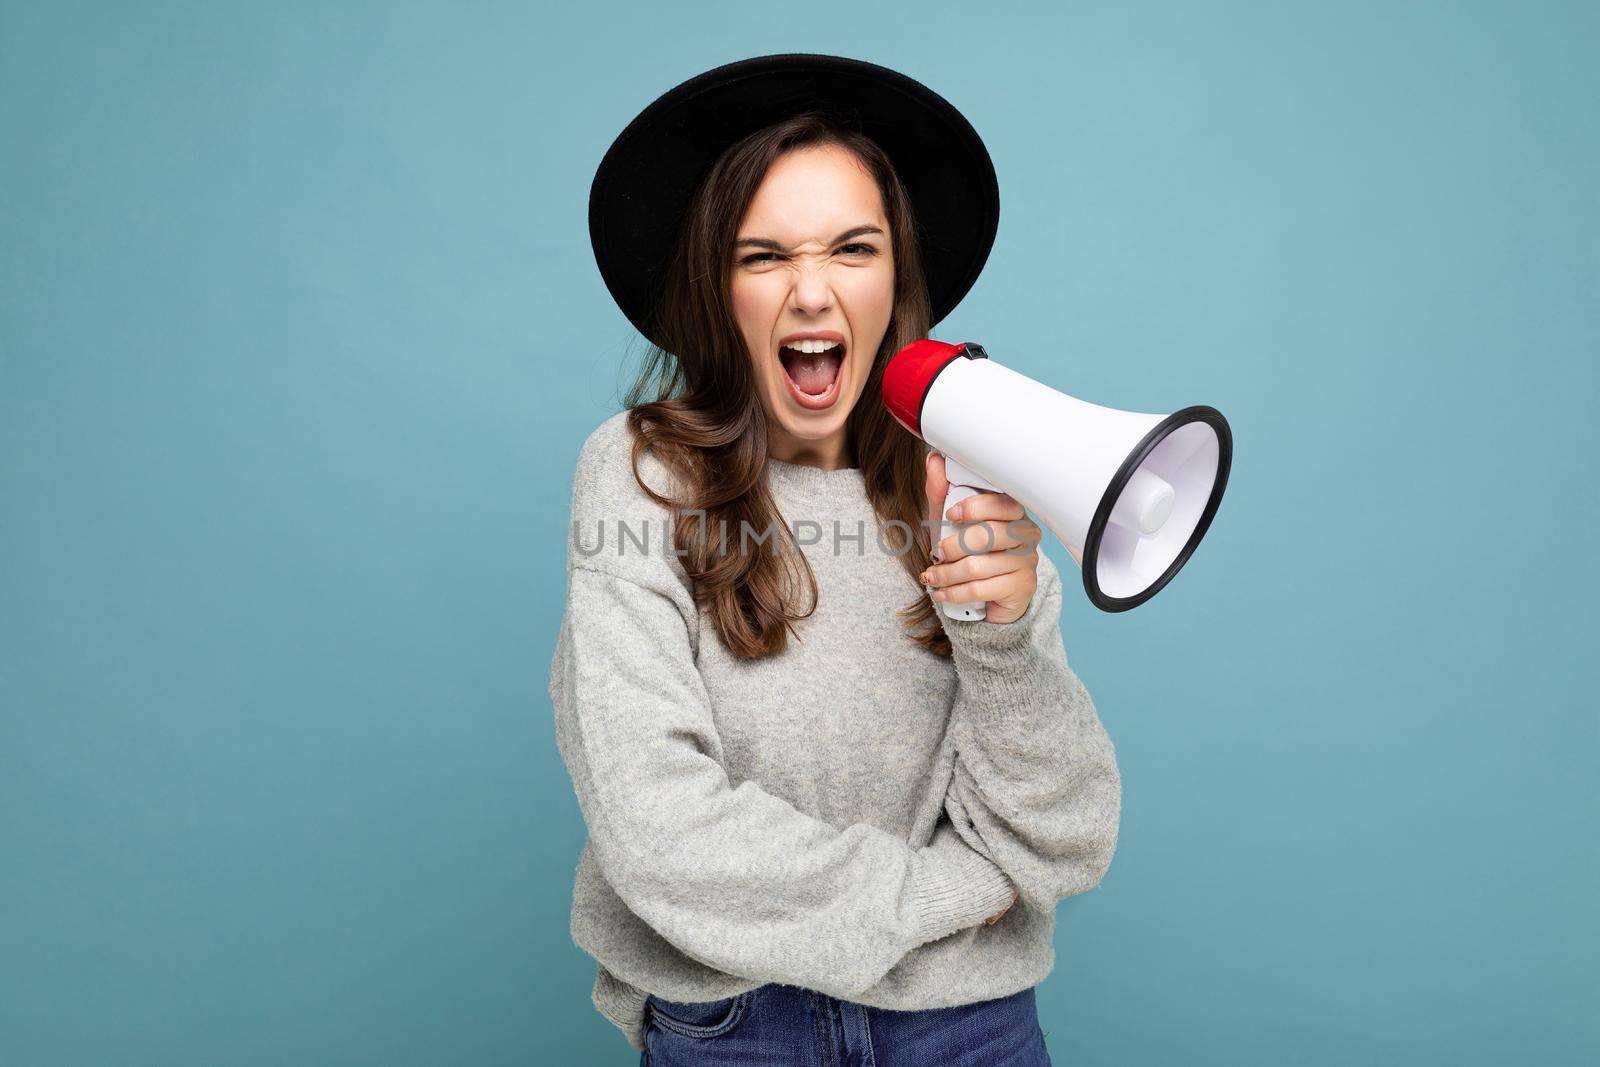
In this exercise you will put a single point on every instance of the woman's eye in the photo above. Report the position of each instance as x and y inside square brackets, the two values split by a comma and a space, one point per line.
[762, 257]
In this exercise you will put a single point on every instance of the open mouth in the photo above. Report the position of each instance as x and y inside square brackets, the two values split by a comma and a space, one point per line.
[813, 374]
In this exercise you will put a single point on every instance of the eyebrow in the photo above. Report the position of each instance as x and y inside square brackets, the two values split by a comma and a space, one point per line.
[763, 242]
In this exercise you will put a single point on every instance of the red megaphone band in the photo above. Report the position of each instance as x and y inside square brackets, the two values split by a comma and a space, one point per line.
[910, 374]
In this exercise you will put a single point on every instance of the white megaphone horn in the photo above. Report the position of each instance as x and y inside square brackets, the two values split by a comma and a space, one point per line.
[1129, 494]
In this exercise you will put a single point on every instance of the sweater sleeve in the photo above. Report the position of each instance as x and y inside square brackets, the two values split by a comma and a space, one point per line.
[1035, 786]
[733, 876]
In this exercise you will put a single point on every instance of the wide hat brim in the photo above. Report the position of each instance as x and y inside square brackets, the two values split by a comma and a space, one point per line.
[645, 182]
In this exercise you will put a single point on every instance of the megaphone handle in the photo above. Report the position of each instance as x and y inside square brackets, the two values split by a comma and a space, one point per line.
[964, 482]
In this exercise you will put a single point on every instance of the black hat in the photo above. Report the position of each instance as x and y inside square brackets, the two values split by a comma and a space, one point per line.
[649, 174]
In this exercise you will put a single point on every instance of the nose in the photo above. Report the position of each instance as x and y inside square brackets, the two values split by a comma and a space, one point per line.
[811, 294]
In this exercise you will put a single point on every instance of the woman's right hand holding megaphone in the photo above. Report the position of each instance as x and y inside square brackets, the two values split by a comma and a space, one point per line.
[992, 555]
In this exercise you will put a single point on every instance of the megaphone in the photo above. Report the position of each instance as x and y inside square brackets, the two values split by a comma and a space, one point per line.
[1129, 494]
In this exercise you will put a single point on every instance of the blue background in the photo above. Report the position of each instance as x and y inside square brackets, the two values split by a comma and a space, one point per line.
[300, 334]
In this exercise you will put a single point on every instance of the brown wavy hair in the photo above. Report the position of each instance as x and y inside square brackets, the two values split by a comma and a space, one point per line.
[703, 418]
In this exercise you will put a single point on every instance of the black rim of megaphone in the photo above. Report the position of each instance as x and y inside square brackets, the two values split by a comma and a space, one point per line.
[1102, 514]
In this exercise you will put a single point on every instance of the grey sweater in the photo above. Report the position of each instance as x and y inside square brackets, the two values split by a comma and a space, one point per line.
[842, 816]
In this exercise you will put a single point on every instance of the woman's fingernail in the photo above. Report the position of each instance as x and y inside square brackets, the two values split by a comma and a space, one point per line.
[940, 594]
[938, 554]
[954, 513]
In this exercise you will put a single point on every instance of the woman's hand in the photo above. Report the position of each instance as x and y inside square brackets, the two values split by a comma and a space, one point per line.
[993, 556]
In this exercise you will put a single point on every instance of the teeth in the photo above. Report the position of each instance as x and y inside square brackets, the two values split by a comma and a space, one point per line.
[812, 345]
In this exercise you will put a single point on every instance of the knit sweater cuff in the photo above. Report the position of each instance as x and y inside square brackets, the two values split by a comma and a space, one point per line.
[999, 659]
[622, 1004]
[957, 886]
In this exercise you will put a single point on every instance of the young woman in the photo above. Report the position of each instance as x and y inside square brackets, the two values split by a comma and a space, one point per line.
[827, 825]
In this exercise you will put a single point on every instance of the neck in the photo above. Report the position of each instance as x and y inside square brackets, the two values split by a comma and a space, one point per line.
[832, 453]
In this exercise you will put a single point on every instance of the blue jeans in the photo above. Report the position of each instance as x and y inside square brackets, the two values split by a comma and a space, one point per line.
[786, 1026]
